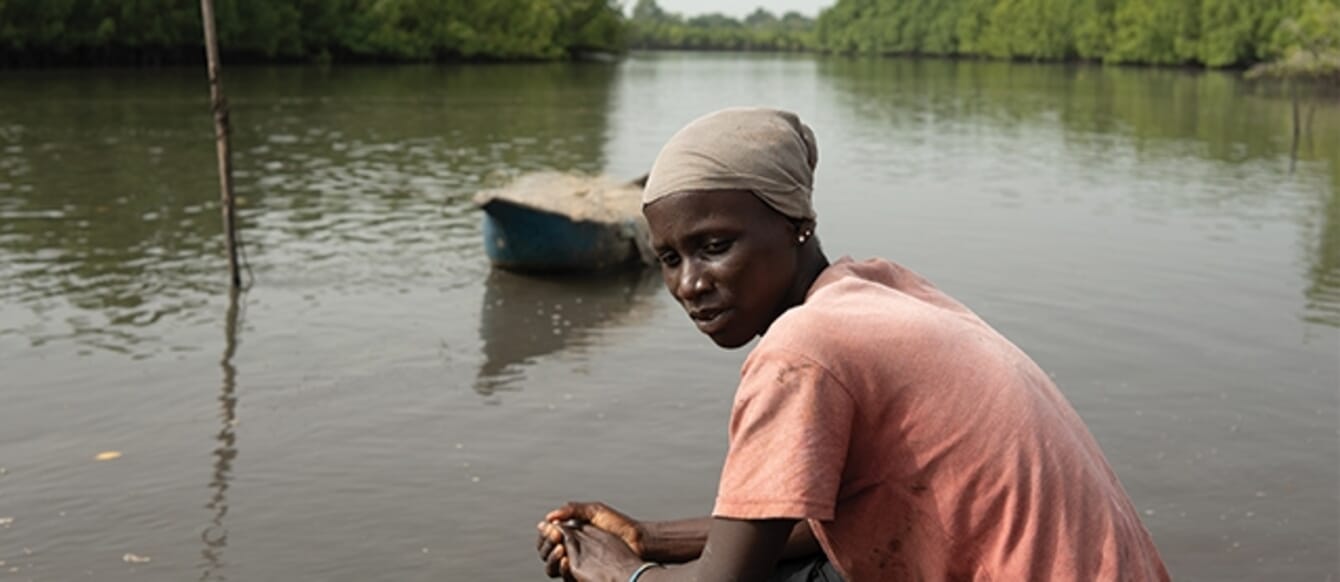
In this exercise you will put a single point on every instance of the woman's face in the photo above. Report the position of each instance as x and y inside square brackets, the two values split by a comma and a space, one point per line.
[727, 257]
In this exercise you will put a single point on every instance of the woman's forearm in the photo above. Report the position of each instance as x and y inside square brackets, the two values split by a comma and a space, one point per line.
[682, 540]
[676, 541]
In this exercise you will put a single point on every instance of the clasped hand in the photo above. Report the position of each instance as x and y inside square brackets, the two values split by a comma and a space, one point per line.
[590, 542]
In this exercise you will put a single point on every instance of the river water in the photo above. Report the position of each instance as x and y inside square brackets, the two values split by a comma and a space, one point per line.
[381, 406]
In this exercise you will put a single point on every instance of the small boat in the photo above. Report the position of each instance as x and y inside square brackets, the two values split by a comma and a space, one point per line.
[548, 222]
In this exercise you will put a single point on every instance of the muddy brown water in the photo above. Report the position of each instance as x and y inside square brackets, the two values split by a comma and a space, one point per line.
[392, 410]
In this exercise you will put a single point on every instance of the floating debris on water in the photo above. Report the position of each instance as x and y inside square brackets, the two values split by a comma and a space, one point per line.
[130, 558]
[107, 456]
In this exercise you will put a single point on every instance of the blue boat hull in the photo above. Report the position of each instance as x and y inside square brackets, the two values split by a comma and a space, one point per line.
[521, 238]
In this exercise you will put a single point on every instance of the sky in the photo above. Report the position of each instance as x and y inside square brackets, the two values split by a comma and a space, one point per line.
[738, 8]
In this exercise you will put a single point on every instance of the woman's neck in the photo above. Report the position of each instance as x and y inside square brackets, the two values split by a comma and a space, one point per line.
[812, 263]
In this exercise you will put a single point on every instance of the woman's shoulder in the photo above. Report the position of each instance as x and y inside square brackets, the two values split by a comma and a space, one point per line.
[842, 316]
[855, 307]
[849, 292]
[880, 286]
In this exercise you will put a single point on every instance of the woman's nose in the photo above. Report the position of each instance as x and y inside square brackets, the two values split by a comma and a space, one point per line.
[693, 281]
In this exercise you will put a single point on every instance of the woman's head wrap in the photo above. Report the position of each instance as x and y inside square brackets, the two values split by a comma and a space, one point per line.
[766, 151]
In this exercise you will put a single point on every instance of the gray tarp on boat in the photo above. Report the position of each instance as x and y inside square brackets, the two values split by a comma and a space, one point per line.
[580, 197]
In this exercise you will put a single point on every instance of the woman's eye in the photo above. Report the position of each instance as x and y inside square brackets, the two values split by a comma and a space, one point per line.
[717, 247]
[669, 259]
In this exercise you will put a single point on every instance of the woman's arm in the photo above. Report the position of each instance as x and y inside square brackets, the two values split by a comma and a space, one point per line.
[681, 540]
[742, 550]
[667, 542]
[676, 541]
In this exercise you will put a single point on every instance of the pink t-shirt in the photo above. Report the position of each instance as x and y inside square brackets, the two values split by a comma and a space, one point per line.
[921, 444]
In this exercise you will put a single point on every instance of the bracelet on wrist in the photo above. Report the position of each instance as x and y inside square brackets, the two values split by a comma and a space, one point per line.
[642, 570]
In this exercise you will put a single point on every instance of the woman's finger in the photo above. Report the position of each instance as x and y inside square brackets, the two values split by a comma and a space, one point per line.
[570, 534]
[564, 513]
[553, 564]
[557, 555]
[566, 567]
[578, 510]
[550, 538]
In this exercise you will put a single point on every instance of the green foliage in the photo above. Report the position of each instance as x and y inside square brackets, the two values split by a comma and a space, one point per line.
[414, 30]
[1312, 45]
[1214, 33]
[1163, 32]
[1228, 30]
[654, 28]
[1035, 29]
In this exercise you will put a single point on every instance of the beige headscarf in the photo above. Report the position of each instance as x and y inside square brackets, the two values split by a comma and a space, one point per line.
[766, 151]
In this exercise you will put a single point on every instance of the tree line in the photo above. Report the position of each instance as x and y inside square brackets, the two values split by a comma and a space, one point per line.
[652, 27]
[38, 32]
[168, 31]
[1212, 33]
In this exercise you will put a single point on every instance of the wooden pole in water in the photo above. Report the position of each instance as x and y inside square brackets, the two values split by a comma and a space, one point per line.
[221, 133]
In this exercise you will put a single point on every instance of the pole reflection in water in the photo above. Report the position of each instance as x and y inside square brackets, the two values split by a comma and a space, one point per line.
[215, 535]
[526, 317]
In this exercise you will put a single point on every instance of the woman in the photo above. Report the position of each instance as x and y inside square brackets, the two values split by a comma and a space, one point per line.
[880, 428]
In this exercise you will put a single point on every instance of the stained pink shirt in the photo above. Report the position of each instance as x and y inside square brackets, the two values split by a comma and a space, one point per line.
[922, 444]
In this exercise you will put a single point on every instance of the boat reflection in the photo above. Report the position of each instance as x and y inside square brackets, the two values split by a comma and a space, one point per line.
[524, 318]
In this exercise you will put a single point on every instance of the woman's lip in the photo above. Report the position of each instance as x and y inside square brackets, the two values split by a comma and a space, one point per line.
[710, 321]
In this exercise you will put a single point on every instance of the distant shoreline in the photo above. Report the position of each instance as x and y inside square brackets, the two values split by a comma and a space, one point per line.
[191, 58]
